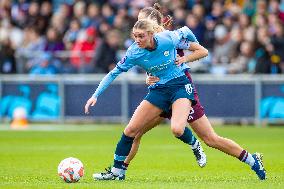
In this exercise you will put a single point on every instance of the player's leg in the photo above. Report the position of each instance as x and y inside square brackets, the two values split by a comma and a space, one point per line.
[196, 112]
[180, 111]
[202, 127]
[136, 142]
[187, 137]
[144, 113]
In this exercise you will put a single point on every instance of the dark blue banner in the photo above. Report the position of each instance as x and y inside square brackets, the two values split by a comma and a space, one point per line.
[41, 101]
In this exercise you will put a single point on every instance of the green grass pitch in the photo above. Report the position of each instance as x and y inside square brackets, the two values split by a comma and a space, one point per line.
[29, 159]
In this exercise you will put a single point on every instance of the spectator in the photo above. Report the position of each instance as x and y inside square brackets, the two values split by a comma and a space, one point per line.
[262, 53]
[108, 13]
[241, 20]
[33, 14]
[12, 33]
[94, 16]
[82, 52]
[19, 13]
[277, 42]
[7, 59]
[45, 14]
[106, 56]
[79, 10]
[198, 11]
[179, 17]
[245, 25]
[197, 27]
[32, 44]
[53, 41]
[121, 24]
[244, 60]
[217, 11]
[223, 49]
[72, 34]
[209, 37]
[228, 20]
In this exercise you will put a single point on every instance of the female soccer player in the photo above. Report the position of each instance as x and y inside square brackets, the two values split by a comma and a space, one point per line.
[201, 126]
[154, 14]
[157, 55]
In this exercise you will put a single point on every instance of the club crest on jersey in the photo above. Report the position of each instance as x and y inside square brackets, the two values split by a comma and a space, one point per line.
[167, 53]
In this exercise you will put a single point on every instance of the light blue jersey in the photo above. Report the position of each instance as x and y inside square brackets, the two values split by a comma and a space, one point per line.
[159, 62]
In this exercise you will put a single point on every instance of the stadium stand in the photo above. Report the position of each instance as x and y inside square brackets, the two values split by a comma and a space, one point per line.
[55, 37]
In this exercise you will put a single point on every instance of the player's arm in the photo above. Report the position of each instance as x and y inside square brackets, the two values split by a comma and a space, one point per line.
[183, 38]
[122, 66]
[197, 52]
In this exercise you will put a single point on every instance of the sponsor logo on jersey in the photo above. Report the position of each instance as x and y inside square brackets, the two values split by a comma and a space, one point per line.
[160, 67]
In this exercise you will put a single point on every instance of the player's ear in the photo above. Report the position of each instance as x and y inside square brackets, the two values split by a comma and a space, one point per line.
[150, 33]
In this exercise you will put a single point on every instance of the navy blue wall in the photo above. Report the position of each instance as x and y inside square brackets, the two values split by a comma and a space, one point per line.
[219, 100]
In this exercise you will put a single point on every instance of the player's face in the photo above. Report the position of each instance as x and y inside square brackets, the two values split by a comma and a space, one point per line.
[142, 38]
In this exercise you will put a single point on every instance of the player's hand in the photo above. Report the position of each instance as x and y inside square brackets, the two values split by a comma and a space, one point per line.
[151, 80]
[91, 102]
[180, 60]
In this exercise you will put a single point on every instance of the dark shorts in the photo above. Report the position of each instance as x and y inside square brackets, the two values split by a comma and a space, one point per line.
[164, 96]
[197, 110]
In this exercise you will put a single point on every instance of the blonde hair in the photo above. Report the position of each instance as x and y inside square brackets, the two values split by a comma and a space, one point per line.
[153, 13]
[148, 25]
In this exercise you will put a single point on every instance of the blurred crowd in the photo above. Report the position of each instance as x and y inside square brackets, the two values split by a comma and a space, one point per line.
[73, 36]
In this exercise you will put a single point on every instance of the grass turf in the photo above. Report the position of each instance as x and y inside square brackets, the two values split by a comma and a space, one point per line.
[29, 159]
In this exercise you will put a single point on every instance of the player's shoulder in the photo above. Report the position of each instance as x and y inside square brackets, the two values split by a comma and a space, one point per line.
[134, 52]
[165, 33]
[184, 32]
[164, 36]
[184, 29]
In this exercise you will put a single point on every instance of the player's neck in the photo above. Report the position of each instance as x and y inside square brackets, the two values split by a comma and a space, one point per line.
[153, 45]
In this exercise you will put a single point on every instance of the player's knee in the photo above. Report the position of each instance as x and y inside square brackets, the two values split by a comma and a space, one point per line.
[130, 131]
[177, 130]
[211, 140]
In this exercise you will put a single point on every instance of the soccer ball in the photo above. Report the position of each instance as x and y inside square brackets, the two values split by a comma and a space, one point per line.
[71, 170]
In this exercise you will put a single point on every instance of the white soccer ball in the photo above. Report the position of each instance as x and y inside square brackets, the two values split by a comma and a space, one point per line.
[71, 170]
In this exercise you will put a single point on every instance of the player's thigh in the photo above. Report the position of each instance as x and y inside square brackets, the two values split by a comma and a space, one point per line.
[203, 128]
[143, 114]
[180, 111]
[150, 125]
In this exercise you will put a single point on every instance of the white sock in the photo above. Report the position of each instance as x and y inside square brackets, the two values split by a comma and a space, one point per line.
[117, 171]
[250, 161]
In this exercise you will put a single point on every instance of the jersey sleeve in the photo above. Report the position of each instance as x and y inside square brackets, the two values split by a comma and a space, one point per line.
[106, 81]
[122, 66]
[182, 37]
[125, 63]
[185, 44]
